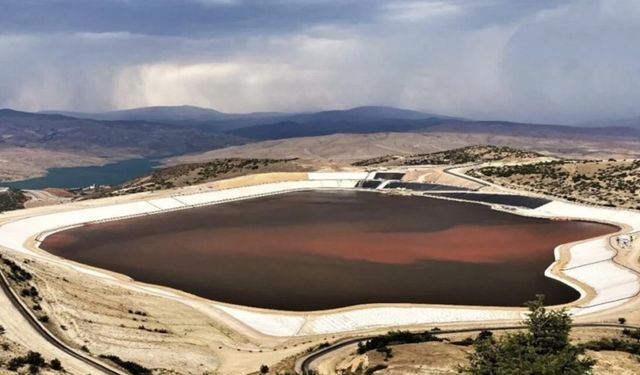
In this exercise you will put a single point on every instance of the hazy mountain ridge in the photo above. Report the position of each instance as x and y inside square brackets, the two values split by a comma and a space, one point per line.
[633, 122]
[186, 132]
[292, 129]
[59, 132]
[146, 113]
[194, 113]
[358, 120]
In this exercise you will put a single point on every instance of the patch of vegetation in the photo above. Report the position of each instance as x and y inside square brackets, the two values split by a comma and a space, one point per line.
[29, 292]
[132, 367]
[396, 338]
[543, 349]
[318, 347]
[464, 155]
[195, 173]
[138, 312]
[632, 333]
[614, 183]
[18, 273]
[12, 199]
[546, 169]
[56, 364]
[614, 345]
[34, 361]
[155, 330]
[22, 278]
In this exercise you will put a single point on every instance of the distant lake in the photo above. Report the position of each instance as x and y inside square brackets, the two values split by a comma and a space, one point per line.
[74, 177]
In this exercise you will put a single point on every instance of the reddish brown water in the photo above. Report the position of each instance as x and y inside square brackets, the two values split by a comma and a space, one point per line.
[319, 250]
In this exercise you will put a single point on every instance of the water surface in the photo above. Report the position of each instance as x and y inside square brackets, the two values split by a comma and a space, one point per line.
[320, 250]
[78, 177]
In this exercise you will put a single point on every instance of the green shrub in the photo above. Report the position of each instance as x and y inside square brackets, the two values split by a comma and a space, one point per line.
[544, 349]
[132, 367]
[56, 364]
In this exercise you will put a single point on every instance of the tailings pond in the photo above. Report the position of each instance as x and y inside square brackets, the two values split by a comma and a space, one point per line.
[320, 250]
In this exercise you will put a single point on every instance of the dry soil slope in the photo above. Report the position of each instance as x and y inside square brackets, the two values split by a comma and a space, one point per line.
[347, 148]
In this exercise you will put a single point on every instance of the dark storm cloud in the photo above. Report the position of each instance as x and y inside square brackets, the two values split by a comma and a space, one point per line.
[198, 18]
[547, 60]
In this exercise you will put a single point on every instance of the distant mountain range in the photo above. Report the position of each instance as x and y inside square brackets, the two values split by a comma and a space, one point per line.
[177, 114]
[192, 113]
[229, 121]
[106, 138]
[163, 131]
[633, 122]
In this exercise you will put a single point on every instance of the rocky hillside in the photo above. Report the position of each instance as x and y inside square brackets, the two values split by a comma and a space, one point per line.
[196, 173]
[610, 182]
[470, 154]
[105, 138]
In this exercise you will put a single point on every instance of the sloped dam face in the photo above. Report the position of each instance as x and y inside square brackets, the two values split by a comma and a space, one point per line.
[321, 250]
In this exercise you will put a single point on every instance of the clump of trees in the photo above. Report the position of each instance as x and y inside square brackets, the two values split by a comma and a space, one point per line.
[18, 273]
[12, 199]
[547, 169]
[543, 349]
[194, 173]
[22, 279]
[132, 367]
[632, 333]
[462, 155]
[614, 345]
[34, 361]
[395, 338]
[605, 183]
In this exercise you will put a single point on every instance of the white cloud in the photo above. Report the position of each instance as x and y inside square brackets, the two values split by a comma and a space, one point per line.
[417, 10]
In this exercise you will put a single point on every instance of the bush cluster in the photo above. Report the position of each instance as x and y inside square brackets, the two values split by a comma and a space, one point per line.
[543, 349]
[131, 367]
[34, 361]
[12, 199]
[396, 338]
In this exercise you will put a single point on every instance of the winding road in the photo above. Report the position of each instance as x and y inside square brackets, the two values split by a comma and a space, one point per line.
[16, 317]
[303, 364]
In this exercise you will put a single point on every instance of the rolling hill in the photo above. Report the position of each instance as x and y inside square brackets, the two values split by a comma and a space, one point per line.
[149, 139]
[311, 127]
[160, 132]
[181, 115]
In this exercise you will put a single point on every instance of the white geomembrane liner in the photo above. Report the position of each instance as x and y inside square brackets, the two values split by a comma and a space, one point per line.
[589, 252]
[337, 175]
[267, 323]
[590, 261]
[400, 316]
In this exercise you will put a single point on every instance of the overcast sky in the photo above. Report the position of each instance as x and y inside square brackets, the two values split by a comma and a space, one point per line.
[530, 60]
